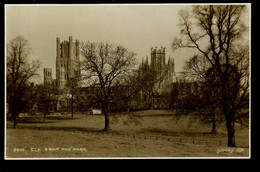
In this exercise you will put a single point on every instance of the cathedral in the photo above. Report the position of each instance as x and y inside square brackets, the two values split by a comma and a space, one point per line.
[67, 62]
[165, 74]
[67, 67]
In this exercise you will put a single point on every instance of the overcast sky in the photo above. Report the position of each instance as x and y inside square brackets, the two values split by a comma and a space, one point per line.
[137, 27]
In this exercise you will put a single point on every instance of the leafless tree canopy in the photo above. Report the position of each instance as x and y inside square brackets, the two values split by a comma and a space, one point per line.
[217, 33]
[19, 74]
[152, 83]
[103, 64]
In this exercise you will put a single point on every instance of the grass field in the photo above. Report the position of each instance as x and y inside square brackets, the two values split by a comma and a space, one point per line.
[159, 136]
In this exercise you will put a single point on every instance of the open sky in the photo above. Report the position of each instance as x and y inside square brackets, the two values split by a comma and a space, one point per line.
[137, 27]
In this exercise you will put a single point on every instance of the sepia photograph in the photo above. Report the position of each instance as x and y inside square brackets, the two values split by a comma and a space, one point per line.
[127, 81]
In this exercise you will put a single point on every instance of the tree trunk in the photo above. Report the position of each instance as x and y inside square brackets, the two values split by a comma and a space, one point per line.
[150, 102]
[231, 132]
[44, 117]
[230, 124]
[107, 127]
[104, 109]
[15, 117]
[127, 106]
[72, 107]
[213, 130]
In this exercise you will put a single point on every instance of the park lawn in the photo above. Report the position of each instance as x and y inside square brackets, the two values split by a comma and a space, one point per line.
[158, 136]
[67, 144]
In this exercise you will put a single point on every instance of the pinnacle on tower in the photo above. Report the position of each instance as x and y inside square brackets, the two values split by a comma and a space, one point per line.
[58, 47]
[70, 38]
[172, 61]
[70, 47]
[142, 62]
[146, 61]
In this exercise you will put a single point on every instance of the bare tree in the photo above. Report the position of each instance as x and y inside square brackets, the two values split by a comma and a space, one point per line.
[127, 89]
[216, 32]
[19, 74]
[151, 82]
[205, 76]
[103, 63]
[196, 94]
[73, 87]
[46, 98]
[125, 98]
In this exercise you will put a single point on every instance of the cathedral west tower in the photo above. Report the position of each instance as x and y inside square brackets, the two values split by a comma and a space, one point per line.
[67, 61]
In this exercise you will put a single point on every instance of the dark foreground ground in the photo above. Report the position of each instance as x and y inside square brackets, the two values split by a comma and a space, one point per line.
[159, 136]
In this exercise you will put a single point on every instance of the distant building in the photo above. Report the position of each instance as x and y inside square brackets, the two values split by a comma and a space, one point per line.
[47, 75]
[67, 66]
[67, 62]
[158, 62]
[164, 70]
